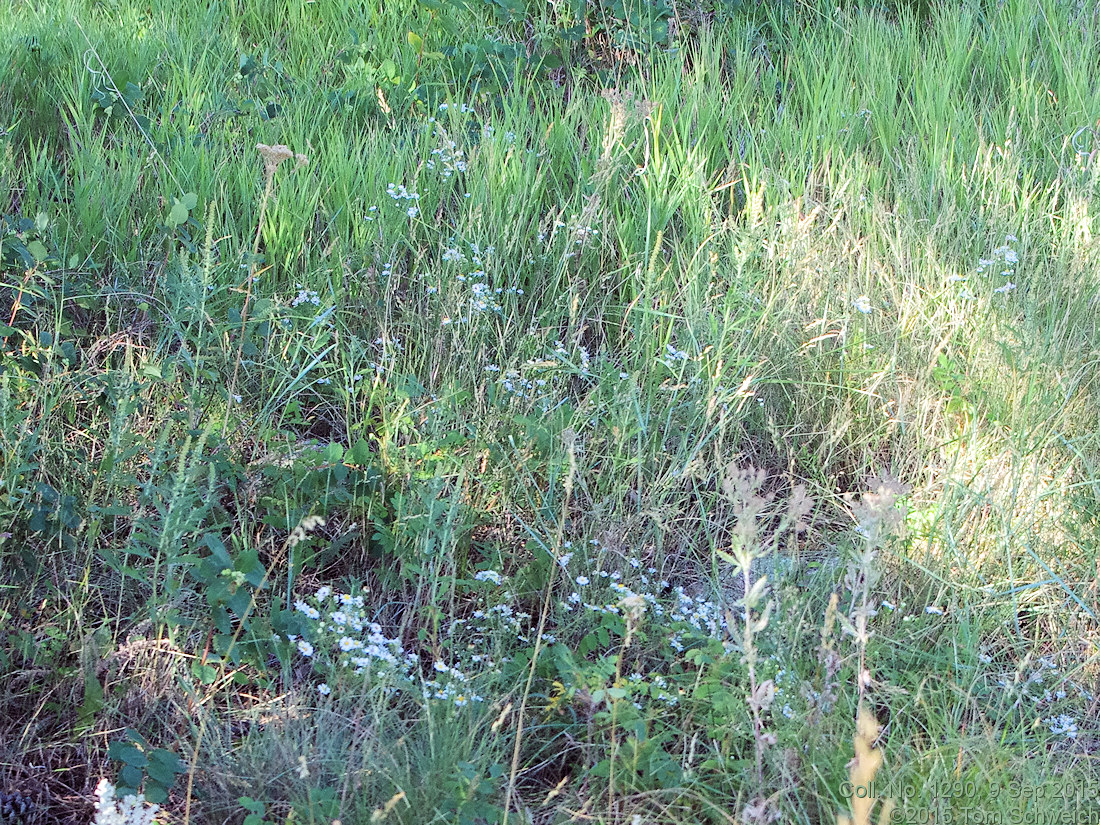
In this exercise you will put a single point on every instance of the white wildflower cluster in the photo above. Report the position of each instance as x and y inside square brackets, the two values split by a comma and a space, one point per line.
[130, 810]
[343, 638]
[687, 618]
[538, 379]
[348, 639]
[305, 296]
[673, 356]
[582, 234]
[862, 305]
[683, 623]
[461, 108]
[514, 383]
[500, 616]
[1004, 260]
[1046, 689]
[475, 295]
[399, 193]
[508, 138]
[576, 234]
[448, 158]
[660, 690]
[482, 296]
[705, 616]
[605, 593]
[451, 685]
[1062, 725]
[781, 697]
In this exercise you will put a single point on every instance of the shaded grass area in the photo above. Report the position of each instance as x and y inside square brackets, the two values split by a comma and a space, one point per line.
[583, 368]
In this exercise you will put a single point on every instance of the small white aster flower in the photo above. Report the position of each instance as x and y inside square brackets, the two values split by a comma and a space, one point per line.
[582, 580]
[305, 648]
[862, 304]
[324, 689]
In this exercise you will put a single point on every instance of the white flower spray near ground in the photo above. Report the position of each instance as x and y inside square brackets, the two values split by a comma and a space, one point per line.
[130, 810]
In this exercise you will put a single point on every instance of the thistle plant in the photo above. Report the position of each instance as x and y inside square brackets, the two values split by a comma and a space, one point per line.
[743, 488]
[877, 518]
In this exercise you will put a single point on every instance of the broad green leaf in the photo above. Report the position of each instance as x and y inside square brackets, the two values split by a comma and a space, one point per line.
[155, 794]
[178, 213]
[358, 454]
[38, 250]
[161, 774]
[128, 754]
[204, 673]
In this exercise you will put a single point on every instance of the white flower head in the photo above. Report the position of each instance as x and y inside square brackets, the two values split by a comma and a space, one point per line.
[862, 304]
[488, 576]
[130, 810]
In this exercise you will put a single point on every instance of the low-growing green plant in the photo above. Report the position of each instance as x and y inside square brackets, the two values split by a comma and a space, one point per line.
[144, 769]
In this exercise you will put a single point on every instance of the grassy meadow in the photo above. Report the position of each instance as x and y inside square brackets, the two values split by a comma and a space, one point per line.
[488, 411]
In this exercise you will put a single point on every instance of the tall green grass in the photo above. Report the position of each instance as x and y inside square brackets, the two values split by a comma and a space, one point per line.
[513, 313]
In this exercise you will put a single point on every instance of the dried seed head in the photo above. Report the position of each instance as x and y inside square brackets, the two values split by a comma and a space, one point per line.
[274, 155]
